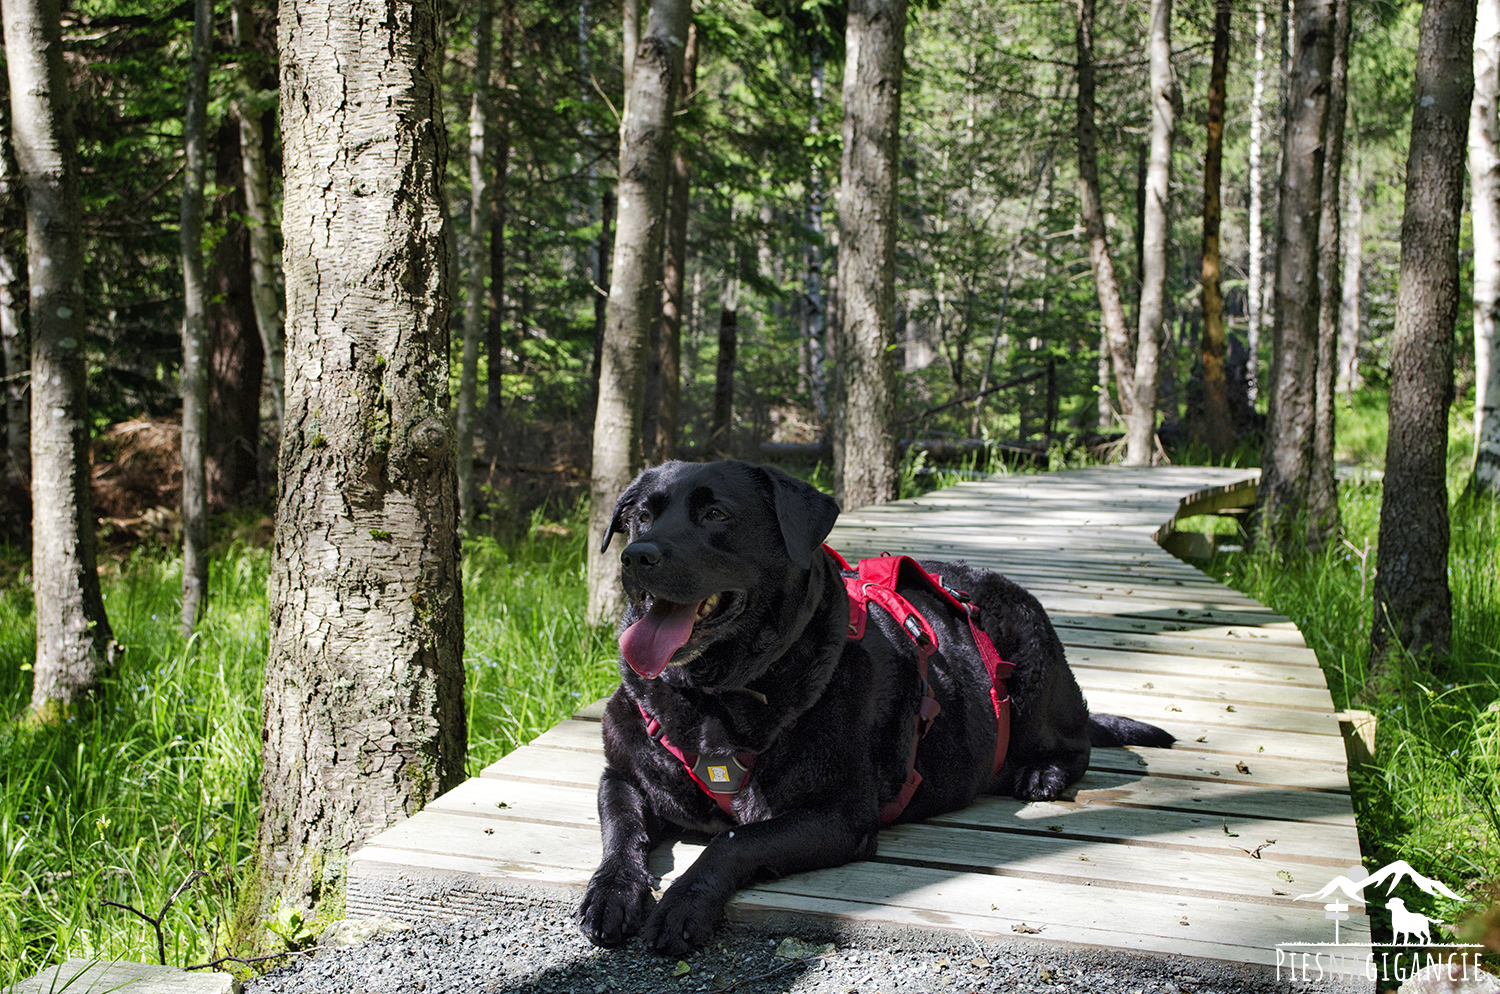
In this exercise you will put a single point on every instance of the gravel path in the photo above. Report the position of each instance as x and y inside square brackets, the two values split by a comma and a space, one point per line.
[536, 949]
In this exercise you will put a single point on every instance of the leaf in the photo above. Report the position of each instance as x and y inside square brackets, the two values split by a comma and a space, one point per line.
[1284, 875]
[1242, 768]
[1027, 929]
[681, 969]
[794, 948]
[1232, 835]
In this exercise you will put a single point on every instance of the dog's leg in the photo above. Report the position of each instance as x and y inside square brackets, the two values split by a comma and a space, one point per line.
[619, 898]
[790, 843]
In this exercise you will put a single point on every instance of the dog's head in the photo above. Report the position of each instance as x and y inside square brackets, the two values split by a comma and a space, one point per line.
[718, 558]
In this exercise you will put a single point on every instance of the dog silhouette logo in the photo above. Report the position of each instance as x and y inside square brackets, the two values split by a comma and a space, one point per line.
[1409, 926]
[718, 774]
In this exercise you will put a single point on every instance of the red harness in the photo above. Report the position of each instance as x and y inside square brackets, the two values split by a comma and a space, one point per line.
[721, 776]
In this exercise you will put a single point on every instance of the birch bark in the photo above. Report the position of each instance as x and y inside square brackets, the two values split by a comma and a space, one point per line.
[1484, 177]
[645, 147]
[481, 211]
[73, 639]
[363, 710]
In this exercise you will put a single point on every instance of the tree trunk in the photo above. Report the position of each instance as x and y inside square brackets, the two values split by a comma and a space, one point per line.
[645, 147]
[674, 274]
[235, 358]
[258, 212]
[1256, 288]
[494, 335]
[1216, 429]
[1322, 491]
[364, 708]
[813, 302]
[73, 639]
[1286, 465]
[1091, 209]
[718, 439]
[13, 345]
[1140, 426]
[1349, 379]
[195, 329]
[864, 455]
[1484, 175]
[1413, 607]
[481, 211]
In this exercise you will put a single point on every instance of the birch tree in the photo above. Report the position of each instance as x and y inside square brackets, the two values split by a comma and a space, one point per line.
[645, 148]
[814, 305]
[480, 214]
[864, 455]
[1413, 605]
[13, 343]
[73, 638]
[1484, 179]
[1322, 490]
[674, 272]
[363, 710]
[1255, 290]
[195, 328]
[1349, 307]
[1286, 464]
[1091, 210]
[1140, 425]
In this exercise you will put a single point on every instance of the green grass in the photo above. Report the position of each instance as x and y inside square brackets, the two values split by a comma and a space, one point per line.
[123, 801]
[1432, 796]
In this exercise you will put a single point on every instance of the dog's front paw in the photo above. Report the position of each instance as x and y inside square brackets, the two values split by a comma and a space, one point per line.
[684, 919]
[1039, 783]
[615, 905]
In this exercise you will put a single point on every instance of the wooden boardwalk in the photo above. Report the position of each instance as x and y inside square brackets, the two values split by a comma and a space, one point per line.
[1194, 851]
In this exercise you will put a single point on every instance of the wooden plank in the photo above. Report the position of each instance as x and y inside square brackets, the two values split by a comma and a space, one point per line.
[1222, 768]
[1191, 688]
[1140, 614]
[1248, 646]
[564, 767]
[1245, 673]
[1149, 707]
[1225, 800]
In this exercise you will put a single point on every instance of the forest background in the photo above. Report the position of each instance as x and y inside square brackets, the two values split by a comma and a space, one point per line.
[993, 285]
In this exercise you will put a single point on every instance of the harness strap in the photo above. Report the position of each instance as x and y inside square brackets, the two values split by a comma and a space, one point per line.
[721, 776]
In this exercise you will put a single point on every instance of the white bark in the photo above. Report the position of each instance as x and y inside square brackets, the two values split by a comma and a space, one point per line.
[1256, 290]
[16, 385]
[1349, 378]
[72, 630]
[481, 210]
[195, 329]
[1140, 426]
[1484, 177]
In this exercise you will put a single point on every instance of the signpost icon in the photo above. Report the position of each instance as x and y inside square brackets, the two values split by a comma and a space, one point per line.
[1336, 912]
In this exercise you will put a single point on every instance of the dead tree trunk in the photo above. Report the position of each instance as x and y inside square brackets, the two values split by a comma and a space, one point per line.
[364, 709]
[1216, 429]
[1484, 176]
[195, 329]
[1091, 209]
[723, 423]
[1140, 426]
[674, 274]
[1286, 465]
[645, 147]
[73, 642]
[494, 334]
[1413, 605]
[864, 454]
[813, 302]
[1322, 490]
[481, 212]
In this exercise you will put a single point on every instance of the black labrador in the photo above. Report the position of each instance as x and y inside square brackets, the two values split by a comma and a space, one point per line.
[735, 645]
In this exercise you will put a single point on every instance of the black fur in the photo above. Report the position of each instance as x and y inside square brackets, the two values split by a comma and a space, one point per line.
[772, 672]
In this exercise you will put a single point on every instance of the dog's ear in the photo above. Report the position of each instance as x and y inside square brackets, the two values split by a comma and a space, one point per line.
[617, 522]
[805, 513]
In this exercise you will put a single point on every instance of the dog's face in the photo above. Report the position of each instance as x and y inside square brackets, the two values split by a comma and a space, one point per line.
[716, 568]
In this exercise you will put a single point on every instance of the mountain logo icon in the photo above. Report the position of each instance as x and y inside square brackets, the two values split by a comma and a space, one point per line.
[1353, 882]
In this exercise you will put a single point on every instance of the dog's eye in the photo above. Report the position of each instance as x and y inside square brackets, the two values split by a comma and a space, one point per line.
[714, 514]
[643, 518]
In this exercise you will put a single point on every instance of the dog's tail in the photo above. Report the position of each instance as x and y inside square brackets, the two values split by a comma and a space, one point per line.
[1108, 730]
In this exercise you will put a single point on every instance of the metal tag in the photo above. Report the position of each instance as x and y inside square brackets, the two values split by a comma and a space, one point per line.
[722, 773]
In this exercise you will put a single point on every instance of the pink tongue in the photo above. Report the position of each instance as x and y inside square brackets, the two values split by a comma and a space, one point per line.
[649, 643]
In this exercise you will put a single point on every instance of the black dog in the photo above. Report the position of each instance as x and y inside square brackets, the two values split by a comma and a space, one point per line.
[735, 645]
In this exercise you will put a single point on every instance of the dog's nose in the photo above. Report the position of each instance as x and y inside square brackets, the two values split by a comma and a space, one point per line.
[640, 555]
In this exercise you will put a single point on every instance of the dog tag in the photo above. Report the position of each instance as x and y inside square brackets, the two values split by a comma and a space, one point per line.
[722, 773]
